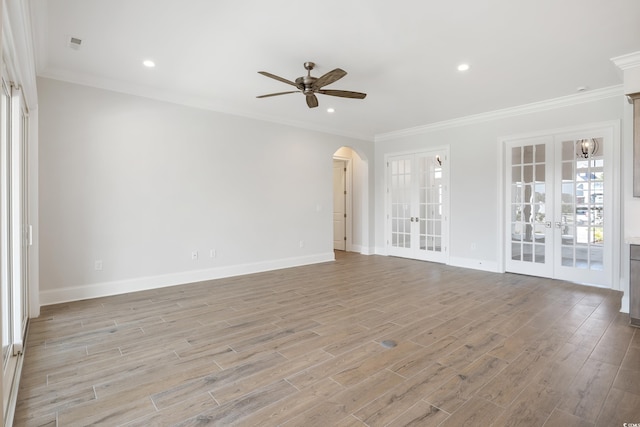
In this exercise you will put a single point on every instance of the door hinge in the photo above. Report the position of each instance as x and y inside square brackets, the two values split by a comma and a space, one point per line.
[345, 238]
[345, 169]
[345, 192]
[345, 215]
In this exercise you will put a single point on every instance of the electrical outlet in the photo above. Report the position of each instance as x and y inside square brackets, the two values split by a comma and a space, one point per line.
[301, 243]
[97, 265]
[212, 253]
[194, 255]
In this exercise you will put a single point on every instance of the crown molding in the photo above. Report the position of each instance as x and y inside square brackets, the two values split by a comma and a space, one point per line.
[630, 60]
[551, 104]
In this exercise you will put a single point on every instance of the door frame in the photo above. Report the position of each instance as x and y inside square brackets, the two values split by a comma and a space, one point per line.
[616, 197]
[348, 207]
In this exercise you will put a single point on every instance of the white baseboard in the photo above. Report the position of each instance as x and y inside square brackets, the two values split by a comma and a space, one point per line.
[624, 306]
[362, 250]
[380, 250]
[97, 290]
[475, 264]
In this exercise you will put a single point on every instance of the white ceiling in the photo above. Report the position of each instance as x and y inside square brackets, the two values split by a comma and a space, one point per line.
[402, 53]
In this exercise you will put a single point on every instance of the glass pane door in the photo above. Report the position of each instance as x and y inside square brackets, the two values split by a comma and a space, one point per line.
[558, 207]
[431, 208]
[417, 207]
[401, 196]
[582, 209]
[7, 296]
[529, 227]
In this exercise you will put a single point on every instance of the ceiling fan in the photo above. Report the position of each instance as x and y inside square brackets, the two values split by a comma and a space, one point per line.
[310, 86]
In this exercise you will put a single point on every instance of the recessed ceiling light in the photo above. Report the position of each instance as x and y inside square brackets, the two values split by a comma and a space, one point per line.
[331, 110]
[463, 67]
[148, 63]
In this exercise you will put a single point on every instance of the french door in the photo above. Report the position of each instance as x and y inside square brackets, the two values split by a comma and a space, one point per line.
[559, 206]
[14, 233]
[417, 205]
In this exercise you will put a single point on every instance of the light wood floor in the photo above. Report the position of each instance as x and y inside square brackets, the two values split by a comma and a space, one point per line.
[302, 347]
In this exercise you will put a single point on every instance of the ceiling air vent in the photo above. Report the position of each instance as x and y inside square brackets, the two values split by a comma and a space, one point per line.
[74, 42]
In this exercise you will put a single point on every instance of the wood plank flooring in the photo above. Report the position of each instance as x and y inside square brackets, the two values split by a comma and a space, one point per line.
[302, 347]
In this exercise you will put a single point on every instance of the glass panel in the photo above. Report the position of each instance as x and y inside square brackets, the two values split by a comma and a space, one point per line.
[431, 170]
[568, 152]
[528, 174]
[516, 253]
[596, 258]
[400, 202]
[567, 172]
[539, 254]
[540, 173]
[582, 256]
[527, 153]
[516, 231]
[582, 204]
[516, 174]
[6, 308]
[516, 155]
[540, 154]
[528, 204]
[567, 256]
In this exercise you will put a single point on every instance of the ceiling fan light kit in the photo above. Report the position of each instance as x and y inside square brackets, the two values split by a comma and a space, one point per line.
[309, 86]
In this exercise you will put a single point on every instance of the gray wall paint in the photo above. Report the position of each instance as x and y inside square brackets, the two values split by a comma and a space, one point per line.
[140, 184]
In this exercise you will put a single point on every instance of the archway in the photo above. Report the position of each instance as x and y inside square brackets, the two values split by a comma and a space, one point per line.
[350, 201]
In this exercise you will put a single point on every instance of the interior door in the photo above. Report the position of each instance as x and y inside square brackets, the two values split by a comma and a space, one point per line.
[14, 259]
[583, 210]
[339, 204]
[557, 203]
[417, 206]
[529, 227]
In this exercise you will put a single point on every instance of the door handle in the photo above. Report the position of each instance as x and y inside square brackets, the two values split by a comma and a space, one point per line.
[558, 225]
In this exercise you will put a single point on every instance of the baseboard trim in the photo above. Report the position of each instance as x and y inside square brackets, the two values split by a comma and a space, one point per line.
[118, 287]
[625, 303]
[475, 264]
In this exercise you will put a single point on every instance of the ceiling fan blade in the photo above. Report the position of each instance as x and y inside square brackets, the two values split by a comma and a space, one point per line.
[276, 94]
[312, 101]
[281, 79]
[330, 77]
[342, 93]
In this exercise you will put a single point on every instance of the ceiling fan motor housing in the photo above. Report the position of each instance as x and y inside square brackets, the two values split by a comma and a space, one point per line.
[305, 83]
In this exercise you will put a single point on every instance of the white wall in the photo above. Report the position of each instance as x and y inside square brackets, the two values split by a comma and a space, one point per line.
[139, 184]
[475, 166]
